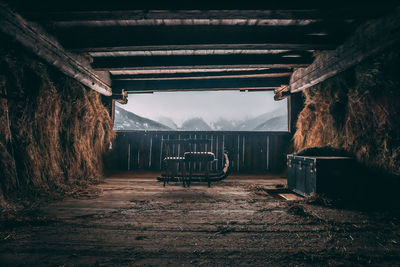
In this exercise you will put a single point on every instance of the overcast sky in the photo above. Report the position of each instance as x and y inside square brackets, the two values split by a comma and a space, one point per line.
[209, 105]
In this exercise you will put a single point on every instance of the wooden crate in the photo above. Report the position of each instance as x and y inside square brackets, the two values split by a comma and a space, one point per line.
[321, 175]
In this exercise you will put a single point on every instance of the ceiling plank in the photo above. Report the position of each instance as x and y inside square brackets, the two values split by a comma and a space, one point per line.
[116, 36]
[177, 22]
[206, 75]
[199, 68]
[246, 46]
[87, 5]
[112, 63]
[47, 48]
[188, 52]
[189, 69]
[198, 84]
[123, 15]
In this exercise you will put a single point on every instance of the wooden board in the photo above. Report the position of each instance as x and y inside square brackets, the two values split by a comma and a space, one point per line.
[291, 197]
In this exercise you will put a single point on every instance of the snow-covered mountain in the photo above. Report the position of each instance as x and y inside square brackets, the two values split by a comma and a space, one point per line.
[225, 125]
[264, 121]
[279, 123]
[195, 124]
[125, 120]
[270, 121]
[168, 122]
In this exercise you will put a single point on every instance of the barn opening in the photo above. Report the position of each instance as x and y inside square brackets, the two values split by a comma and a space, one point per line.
[250, 126]
[203, 111]
[199, 134]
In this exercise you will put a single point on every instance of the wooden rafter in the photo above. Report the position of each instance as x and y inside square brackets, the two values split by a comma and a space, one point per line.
[200, 84]
[369, 39]
[47, 48]
[186, 35]
[206, 75]
[206, 15]
[110, 63]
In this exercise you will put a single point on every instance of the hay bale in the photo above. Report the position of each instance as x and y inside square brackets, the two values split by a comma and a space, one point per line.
[59, 129]
[324, 151]
[358, 111]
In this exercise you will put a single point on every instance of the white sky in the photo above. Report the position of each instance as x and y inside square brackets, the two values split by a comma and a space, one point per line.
[209, 105]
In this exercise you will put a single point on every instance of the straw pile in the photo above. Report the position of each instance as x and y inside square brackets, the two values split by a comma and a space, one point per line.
[358, 111]
[53, 130]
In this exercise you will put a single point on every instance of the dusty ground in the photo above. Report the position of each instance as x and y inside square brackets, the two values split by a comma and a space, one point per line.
[132, 220]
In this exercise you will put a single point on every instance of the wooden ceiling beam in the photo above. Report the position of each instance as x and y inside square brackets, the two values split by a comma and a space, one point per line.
[131, 15]
[178, 22]
[47, 48]
[190, 69]
[89, 5]
[246, 46]
[193, 68]
[206, 75]
[201, 52]
[198, 84]
[368, 40]
[116, 36]
[108, 63]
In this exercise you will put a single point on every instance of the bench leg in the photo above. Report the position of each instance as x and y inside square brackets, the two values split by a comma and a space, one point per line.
[166, 174]
[184, 174]
[169, 172]
[183, 180]
[208, 173]
[190, 173]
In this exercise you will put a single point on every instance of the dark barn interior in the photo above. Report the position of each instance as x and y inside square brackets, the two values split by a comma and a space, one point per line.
[77, 190]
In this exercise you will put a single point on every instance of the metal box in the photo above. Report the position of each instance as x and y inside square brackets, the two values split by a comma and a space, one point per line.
[321, 175]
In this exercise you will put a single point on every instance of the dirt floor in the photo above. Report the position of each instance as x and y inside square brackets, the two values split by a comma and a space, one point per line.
[131, 219]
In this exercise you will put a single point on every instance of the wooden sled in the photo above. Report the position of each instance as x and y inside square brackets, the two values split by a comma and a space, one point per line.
[196, 177]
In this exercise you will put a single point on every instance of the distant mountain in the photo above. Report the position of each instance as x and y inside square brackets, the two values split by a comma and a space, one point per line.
[195, 124]
[270, 121]
[125, 120]
[225, 125]
[168, 122]
[279, 123]
[253, 124]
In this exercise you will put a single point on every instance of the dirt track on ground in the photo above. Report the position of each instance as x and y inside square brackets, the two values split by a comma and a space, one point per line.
[132, 220]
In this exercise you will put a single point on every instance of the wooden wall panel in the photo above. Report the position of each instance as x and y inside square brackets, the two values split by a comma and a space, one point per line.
[248, 152]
